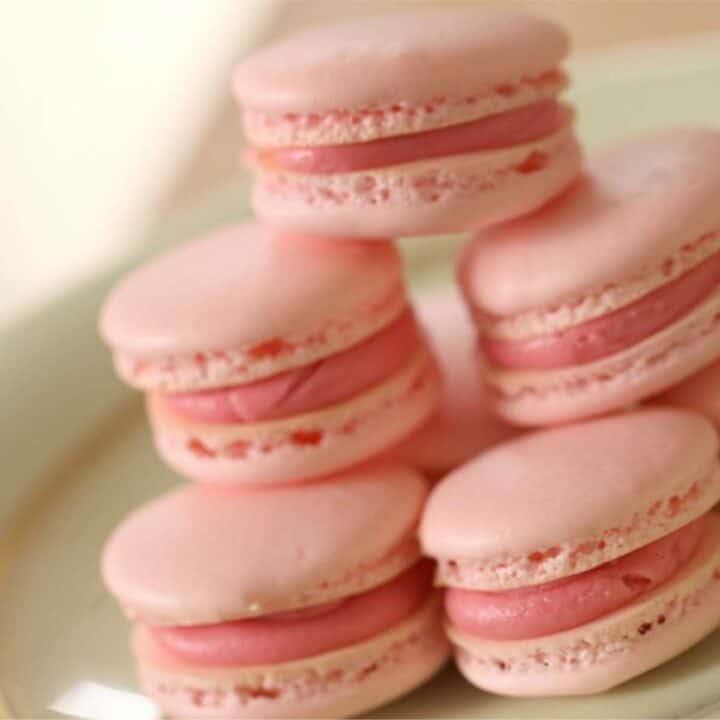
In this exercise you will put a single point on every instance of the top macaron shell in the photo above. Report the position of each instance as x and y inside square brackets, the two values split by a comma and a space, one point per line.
[243, 287]
[548, 492]
[206, 554]
[639, 204]
[337, 66]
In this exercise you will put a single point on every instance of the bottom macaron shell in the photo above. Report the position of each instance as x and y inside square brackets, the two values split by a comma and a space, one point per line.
[446, 194]
[648, 368]
[302, 446]
[337, 684]
[608, 651]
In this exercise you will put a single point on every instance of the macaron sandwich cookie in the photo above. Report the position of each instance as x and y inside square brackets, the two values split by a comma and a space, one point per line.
[464, 424]
[311, 572]
[411, 123]
[609, 294]
[576, 558]
[300, 601]
[700, 392]
[270, 358]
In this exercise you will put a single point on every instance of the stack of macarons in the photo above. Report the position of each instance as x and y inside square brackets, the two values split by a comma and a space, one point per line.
[289, 376]
[287, 580]
[577, 557]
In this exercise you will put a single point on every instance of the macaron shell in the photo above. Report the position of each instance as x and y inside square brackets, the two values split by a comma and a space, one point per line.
[450, 194]
[656, 281]
[464, 425]
[645, 369]
[189, 319]
[603, 488]
[700, 392]
[204, 554]
[611, 650]
[301, 446]
[418, 55]
[337, 684]
[639, 203]
[339, 126]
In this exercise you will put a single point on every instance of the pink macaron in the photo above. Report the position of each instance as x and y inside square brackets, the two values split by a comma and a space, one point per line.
[299, 601]
[409, 123]
[464, 425]
[611, 293]
[270, 358]
[579, 557]
[700, 392]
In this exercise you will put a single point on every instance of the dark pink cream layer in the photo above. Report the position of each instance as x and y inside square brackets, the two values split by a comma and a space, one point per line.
[609, 333]
[324, 383]
[553, 607]
[503, 130]
[291, 636]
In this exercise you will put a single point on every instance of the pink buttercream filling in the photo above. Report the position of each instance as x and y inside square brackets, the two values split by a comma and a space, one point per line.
[291, 636]
[609, 333]
[568, 603]
[308, 388]
[506, 129]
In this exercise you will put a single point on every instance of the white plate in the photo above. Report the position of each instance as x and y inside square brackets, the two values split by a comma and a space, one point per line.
[77, 457]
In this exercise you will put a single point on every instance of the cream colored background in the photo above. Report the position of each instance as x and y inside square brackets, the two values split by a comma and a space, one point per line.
[114, 112]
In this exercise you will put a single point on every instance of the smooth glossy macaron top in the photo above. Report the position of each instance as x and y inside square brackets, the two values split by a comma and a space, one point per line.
[645, 213]
[428, 79]
[561, 501]
[246, 302]
[206, 554]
